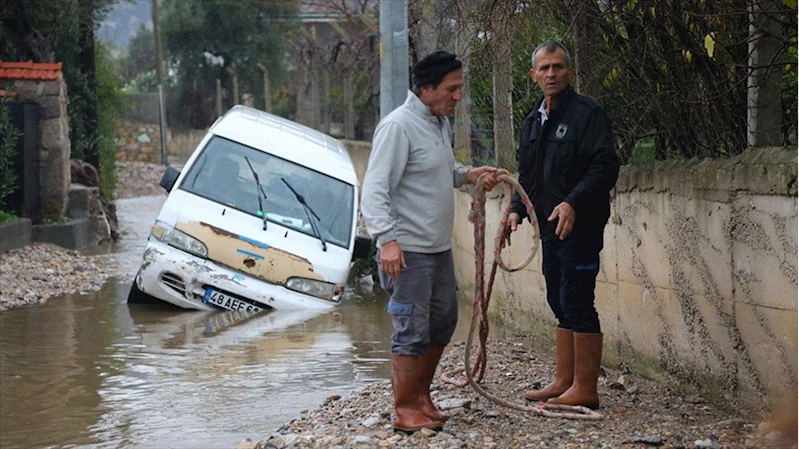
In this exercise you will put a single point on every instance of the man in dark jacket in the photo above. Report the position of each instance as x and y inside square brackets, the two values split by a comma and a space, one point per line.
[568, 165]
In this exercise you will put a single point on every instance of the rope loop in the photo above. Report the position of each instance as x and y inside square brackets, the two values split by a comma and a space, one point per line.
[482, 296]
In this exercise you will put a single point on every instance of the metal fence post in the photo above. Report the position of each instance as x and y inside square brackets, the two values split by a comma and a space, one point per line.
[162, 121]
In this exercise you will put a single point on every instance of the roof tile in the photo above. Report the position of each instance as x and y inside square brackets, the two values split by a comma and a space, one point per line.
[29, 70]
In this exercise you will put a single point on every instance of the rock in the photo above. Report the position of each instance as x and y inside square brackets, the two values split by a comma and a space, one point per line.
[707, 443]
[395, 439]
[289, 439]
[332, 398]
[614, 385]
[143, 138]
[362, 439]
[249, 444]
[428, 432]
[448, 404]
[652, 440]
[370, 422]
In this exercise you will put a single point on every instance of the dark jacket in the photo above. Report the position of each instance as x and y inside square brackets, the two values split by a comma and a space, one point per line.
[572, 158]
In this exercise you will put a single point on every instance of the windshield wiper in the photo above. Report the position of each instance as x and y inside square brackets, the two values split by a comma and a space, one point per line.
[261, 193]
[301, 200]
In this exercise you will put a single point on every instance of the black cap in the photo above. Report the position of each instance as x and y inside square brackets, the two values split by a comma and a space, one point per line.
[433, 67]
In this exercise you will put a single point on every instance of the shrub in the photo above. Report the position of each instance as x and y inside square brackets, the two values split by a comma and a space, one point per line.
[9, 135]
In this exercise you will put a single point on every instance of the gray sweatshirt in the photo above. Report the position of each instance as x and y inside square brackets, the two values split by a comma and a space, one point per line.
[408, 191]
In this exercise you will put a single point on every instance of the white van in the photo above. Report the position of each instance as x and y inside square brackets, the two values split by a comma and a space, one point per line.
[263, 215]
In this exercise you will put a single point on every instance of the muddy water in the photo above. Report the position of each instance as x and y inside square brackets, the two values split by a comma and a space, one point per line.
[94, 372]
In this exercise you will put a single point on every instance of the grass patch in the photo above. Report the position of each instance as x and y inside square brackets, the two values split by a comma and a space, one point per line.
[643, 152]
[6, 217]
[52, 221]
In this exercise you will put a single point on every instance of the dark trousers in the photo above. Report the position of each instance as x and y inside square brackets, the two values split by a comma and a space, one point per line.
[570, 268]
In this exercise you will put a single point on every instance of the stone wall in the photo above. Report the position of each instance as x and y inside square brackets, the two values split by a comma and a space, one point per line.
[698, 278]
[138, 142]
[54, 144]
[141, 142]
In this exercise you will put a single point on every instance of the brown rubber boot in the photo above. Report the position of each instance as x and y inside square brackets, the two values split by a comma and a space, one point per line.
[405, 381]
[587, 360]
[427, 365]
[564, 368]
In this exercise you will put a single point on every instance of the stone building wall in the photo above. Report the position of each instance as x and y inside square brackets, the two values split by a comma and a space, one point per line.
[55, 147]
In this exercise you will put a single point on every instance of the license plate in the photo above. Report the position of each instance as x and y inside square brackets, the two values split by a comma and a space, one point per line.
[224, 301]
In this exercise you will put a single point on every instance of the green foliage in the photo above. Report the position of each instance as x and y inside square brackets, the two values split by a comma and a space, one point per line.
[140, 58]
[110, 105]
[5, 217]
[53, 221]
[64, 24]
[243, 33]
[643, 152]
[143, 82]
[9, 135]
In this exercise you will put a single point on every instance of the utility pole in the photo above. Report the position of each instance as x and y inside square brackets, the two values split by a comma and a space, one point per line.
[159, 72]
[393, 54]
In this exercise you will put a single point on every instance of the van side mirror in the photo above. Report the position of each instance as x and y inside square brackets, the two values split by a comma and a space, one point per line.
[363, 245]
[170, 176]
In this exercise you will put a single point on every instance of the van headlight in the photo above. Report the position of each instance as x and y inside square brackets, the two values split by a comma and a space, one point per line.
[180, 240]
[312, 287]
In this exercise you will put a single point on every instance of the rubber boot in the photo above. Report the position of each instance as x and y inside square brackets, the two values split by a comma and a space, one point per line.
[564, 368]
[428, 365]
[587, 361]
[405, 381]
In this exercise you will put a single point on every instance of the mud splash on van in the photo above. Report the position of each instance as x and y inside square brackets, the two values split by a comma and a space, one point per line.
[247, 255]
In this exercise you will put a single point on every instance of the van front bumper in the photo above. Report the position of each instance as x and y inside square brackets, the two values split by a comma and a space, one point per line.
[182, 279]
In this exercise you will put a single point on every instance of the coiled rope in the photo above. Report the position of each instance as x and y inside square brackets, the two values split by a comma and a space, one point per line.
[482, 296]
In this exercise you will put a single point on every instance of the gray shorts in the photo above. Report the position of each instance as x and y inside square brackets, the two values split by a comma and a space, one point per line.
[424, 302]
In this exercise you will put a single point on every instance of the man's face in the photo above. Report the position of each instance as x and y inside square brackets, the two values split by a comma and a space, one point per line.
[442, 99]
[552, 72]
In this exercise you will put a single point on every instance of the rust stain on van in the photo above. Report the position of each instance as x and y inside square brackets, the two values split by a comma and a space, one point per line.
[247, 255]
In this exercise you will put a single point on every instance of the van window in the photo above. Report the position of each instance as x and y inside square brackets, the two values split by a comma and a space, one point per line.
[221, 174]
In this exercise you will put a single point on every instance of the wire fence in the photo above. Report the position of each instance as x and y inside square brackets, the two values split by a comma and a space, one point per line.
[679, 78]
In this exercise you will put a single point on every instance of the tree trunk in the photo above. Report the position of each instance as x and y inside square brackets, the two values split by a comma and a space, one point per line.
[324, 103]
[87, 68]
[463, 118]
[349, 105]
[587, 57]
[422, 16]
[218, 97]
[504, 148]
[29, 44]
[267, 93]
[764, 111]
[235, 88]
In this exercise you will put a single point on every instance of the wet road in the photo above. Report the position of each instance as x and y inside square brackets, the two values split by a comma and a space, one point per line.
[94, 372]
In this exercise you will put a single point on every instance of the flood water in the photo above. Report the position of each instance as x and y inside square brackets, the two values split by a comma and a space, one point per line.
[91, 371]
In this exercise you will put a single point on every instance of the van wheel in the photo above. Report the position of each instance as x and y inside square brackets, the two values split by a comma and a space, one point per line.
[136, 296]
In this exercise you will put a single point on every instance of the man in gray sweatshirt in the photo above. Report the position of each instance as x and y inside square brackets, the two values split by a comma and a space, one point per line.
[408, 205]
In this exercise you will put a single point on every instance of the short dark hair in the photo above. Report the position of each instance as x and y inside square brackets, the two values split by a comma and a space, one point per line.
[550, 47]
[434, 67]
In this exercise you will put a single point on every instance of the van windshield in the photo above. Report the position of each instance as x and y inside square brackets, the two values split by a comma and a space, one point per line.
[221, 174]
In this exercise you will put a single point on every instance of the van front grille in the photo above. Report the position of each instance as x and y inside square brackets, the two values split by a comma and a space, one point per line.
[174, 282]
